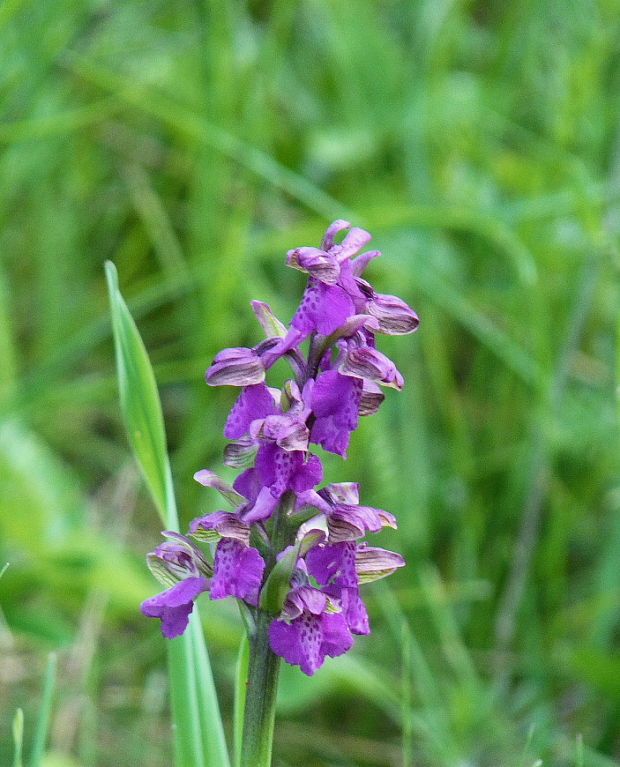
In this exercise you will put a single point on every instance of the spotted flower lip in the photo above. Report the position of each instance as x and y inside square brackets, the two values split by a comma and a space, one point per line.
[309, 628]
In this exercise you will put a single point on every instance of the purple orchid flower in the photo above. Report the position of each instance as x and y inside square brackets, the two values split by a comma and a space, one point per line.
[309, 627]
[238, 568]
[180, 564]
[302, 581]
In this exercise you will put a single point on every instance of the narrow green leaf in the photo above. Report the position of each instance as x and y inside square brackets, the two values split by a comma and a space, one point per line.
[405, 697]
[140, 402]
[8, 348]
[199, 735]
[18, 737]
[579, 751]
[40, 736]
[214, 741]
[278, 583]
[241, 678]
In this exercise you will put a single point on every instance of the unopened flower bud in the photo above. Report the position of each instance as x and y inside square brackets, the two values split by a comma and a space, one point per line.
[373, 563]
[315, 262]
[366, 362]
[395, 316]
[177, 559]
[238, 366]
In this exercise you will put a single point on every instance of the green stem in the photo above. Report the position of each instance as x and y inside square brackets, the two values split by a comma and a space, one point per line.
[260, 702]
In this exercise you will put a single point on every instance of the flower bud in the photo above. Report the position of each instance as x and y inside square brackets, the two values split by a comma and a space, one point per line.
[368, 363]
[238, 366]
[177, 559]
[373, 563]
[315, 262]
[395, 316]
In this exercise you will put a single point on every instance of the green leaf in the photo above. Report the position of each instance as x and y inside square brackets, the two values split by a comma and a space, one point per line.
[18, 737]
[241, 677]
[140, 403]
[199, 735]
[44, 713]
[278, 583]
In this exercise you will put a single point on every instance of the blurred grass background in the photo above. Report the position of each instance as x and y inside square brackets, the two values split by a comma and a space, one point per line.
[193, 144]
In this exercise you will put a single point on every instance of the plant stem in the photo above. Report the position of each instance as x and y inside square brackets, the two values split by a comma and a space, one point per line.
[260, 702]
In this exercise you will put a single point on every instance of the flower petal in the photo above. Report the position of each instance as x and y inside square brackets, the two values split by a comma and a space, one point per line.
[268, 321]
[238, 571]
[337, 638]
[323, 308]
[374, 563]
[333, 563]
[366, 362]
[174, 606]
[332, 230]
[360, 263]
[348, 522]
[354, 241]
[254, 402]
[219, 524]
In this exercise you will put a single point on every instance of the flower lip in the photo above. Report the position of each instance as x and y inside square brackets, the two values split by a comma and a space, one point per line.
[174, 606]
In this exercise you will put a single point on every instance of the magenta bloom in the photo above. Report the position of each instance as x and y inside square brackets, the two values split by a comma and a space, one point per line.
[289, 550]
[305, 632]
[238, 568]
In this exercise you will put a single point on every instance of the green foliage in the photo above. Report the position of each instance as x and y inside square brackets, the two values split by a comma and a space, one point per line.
[140, 404]
[193, 144]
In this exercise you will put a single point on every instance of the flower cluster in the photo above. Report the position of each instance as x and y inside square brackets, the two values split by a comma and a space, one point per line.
[287, 547]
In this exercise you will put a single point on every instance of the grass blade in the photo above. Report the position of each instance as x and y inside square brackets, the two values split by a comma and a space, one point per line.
[241, 676]
[199, 735]
[18, 737]
[40, 736]
[140, 403]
